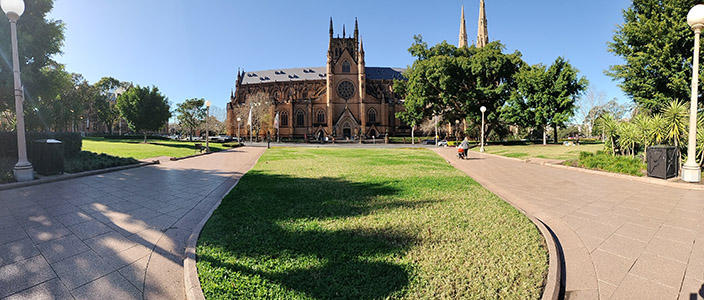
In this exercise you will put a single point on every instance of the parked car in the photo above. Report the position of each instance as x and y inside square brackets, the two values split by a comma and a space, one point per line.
[442, 143]
[428, 142]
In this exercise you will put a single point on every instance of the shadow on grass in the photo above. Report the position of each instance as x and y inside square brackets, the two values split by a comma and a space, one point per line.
[270, 227]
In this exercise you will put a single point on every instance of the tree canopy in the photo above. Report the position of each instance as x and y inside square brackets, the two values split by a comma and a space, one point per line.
[656, 44]
[144, 108]
[105, 104]
[38, 40]
[545, 95]
[455, 82]
[191, 114]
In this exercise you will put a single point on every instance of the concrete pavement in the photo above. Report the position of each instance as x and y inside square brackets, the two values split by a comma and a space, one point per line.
[621, 239]
[117, 235]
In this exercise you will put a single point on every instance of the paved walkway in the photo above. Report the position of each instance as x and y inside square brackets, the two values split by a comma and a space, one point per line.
[621, 239]
[118, 235]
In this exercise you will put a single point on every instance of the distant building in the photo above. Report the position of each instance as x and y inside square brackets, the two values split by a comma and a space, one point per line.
[345, 99]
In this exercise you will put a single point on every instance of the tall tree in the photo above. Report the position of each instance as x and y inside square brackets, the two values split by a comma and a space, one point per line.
[191, 114]
[144, 108]
[455, 82]
[656, 44]
[105, 103]
[546, 96]
[39, 39]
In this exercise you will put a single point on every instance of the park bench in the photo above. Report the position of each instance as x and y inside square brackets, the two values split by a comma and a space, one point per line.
[199, 147]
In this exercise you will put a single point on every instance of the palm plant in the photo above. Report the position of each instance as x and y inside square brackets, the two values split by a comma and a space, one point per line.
[628, 137]
[657, 129]
[610, 127]
[643, 125]
[675, 115]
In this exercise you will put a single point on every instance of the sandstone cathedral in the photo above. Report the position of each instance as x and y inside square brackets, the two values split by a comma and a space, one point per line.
[343, 100]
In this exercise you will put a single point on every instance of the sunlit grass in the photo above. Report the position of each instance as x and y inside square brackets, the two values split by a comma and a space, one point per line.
[366, 224]
[138, 150]
[550, 151]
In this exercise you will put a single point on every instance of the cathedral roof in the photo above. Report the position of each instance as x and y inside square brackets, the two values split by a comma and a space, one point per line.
[315, 73]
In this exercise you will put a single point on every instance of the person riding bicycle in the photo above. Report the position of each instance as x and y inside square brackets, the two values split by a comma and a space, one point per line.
[465, 146]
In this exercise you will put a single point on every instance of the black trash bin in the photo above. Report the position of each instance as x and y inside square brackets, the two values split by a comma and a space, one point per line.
[662, 162]
[48, 157]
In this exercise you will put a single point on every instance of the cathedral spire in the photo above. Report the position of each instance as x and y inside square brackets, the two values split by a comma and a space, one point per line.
[343, 30]
[482, 32]
[356, 29]
[463, 31]
[330, 27]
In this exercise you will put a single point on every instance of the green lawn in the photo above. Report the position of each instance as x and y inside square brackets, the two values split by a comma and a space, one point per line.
[550, 151]
[366, 224]
[136, 149]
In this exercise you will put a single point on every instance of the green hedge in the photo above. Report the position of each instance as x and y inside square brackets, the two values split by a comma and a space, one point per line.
[131, 137]
[72, 142]
[86, 161]
[232, 145]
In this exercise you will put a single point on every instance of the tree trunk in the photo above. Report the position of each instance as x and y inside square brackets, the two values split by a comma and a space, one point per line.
[145, 136]
[613, 147]
[645, 152]
[554, 126]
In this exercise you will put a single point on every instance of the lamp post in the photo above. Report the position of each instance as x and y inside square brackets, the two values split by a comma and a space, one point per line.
[457, 129]
[238, 130]
[207, 115]
[482, 109]
[23, 169]
[691, 171]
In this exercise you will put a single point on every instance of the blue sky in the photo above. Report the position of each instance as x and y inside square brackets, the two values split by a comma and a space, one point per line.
[192, 49]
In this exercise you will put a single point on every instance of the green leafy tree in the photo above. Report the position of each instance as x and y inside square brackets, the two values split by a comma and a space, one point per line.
[658, 130]
[546, 96]
[191, 114]
[656, 44]
[454, 82]
[39, 39]
[144, 108]
[105, 103]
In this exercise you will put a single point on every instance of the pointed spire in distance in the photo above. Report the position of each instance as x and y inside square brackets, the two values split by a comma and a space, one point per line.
[463, 31]
[343, 30]
[330, 26]
[356, 29]
[482, 31]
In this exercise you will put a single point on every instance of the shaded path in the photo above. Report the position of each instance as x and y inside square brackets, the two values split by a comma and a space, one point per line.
[117, 235]
[621, 239]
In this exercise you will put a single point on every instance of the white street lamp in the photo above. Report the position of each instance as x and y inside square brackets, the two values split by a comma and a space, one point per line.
[482, 109]
[238, 130]
[457, 128]
[23, 170]
[207, 115]
[691, 171]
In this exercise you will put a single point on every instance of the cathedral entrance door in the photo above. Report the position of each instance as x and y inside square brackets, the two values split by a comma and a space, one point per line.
[347, 133]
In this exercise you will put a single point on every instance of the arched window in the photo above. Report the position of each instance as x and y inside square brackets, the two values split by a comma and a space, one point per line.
[321, 116]
[371, 115]
[283, 118]
[300, 118]
[345, 67]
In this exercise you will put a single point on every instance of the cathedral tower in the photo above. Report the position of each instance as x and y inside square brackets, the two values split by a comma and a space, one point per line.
[463, 31]
[482, 32]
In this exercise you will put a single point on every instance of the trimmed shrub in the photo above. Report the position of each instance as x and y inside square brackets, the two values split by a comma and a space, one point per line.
[232, 145]
[86, 161]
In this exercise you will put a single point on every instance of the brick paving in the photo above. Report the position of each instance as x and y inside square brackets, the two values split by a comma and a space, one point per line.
[117, 235]
[621, 239]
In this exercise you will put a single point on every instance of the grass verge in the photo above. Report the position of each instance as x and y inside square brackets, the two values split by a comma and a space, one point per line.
[138, 150]
[366, 224]
[551, 151]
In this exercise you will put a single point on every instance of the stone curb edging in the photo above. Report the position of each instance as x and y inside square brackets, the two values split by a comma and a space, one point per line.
[682, 185]
[14, 185]
[190, 270]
